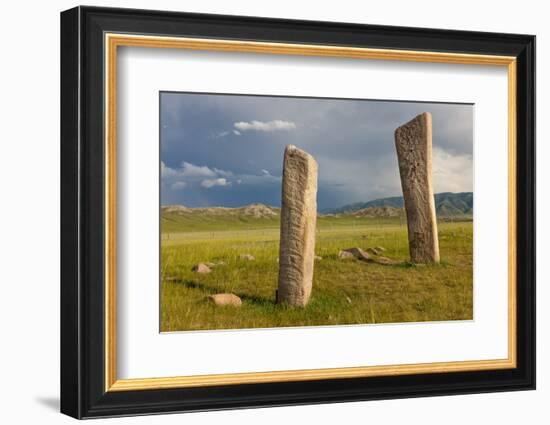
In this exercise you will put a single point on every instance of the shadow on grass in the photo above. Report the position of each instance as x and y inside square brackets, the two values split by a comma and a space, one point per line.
[192, 284]
[410, 265]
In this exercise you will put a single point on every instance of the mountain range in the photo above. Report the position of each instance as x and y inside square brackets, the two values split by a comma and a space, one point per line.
[447, 204]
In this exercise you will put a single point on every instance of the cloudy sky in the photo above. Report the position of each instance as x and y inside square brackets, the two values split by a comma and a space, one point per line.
[227, 150]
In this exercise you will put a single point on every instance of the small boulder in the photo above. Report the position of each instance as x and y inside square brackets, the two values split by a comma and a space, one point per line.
[225, 300]
[345, 255]
[201, 268]
[357, 253]
[366, 256]
[247, 257]
[385, 261]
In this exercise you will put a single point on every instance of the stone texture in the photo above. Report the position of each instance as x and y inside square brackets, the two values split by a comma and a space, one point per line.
[358, 253]
[366, 256]
[413, 142]
[225, 300]
[385, 261]
[377, 250]
[298, 221]
[201, 268]
[345, 255]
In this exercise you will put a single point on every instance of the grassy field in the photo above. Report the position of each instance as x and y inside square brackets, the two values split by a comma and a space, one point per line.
[344, 291]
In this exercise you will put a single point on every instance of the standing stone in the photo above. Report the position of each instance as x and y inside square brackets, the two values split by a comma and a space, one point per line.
[414, 152]
[298, 220]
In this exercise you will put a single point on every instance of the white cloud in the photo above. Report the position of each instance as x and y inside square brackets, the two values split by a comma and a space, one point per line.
[179, 185]
[266, 126]
[166, 171]
[208, 183]
[223, 173]
[191, 175]
[192, 170]
[251, 179]
[451, 173]
[221, 134]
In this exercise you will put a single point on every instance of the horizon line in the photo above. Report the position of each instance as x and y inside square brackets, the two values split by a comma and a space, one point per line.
[329, 208]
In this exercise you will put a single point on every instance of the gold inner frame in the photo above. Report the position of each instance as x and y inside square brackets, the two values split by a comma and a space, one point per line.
[113, 41]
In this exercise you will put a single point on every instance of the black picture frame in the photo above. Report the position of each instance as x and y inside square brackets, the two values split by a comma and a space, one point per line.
[83, 392]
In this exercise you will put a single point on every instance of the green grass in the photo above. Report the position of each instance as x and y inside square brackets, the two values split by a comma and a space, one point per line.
[344, 291]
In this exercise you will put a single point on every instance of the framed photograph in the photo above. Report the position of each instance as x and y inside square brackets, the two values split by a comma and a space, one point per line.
[261, 212]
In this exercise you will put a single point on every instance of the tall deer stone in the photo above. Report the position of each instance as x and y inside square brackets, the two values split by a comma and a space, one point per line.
[413, 142]
[298, 221]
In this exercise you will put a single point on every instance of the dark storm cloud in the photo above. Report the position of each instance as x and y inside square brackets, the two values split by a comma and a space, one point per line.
[228, 150]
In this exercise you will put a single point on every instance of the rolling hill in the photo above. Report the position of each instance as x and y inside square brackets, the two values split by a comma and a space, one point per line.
[447, 204]
[177, 217]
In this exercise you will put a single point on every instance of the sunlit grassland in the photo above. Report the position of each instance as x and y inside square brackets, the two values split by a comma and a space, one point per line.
[344, 291]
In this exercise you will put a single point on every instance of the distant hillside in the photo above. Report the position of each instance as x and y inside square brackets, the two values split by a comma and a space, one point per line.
[252, 210]
[447, 204]
[378, 212]
[176, 217]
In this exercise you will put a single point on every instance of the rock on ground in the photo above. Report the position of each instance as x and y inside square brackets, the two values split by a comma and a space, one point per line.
[385, 261]
[377, 250]
[201, 268]
[355, 253]
[345, 255]
[358, 253]
[225, 300]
